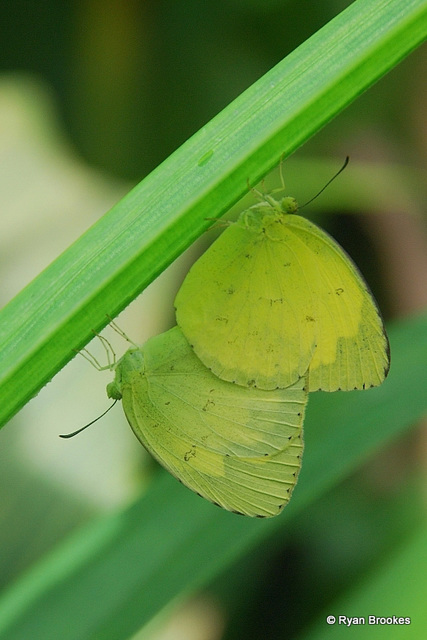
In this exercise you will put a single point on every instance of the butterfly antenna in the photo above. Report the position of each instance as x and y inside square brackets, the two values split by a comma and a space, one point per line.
[347, 160]
[71, 435]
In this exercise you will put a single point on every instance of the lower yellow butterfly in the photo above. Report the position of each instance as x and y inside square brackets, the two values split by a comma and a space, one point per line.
[238, 447]
[274, 297]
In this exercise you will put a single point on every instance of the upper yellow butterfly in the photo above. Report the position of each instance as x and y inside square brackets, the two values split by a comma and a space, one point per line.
[275, 298]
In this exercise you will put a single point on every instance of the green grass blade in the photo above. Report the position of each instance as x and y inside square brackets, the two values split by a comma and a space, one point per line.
[115, 575]
[120, 255]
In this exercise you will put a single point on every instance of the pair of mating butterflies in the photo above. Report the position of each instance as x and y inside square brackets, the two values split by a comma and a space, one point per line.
[274, 309]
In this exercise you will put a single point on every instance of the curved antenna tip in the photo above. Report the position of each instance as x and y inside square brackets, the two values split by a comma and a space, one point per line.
[74, 433]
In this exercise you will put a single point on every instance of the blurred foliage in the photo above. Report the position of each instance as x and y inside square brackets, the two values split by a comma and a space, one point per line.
[134, 79]
[131, 81]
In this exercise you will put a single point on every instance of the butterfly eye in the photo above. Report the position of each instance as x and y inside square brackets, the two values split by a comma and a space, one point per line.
[289, 205]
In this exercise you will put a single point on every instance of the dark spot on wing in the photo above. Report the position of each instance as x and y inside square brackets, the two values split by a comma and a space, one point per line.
[209, 402]
[190, 454]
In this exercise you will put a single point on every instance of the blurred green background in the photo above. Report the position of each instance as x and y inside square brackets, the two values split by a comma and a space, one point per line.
[93, 95]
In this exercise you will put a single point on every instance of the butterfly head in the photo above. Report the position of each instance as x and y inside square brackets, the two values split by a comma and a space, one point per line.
[131, 362]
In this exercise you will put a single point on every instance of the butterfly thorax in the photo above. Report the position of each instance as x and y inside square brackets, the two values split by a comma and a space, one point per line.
[266, 214]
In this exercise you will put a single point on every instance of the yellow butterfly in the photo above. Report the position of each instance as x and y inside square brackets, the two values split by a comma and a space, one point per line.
[238, 447]
[276, 297]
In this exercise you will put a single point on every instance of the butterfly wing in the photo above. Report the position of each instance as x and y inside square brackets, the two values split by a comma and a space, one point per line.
[352, 349]
[261, 307]
[238, 447]
[245, 308]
